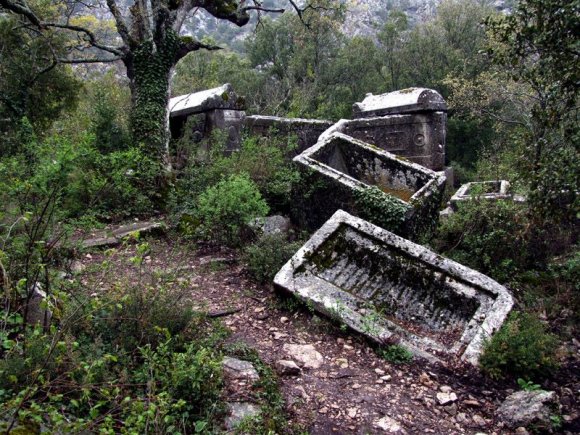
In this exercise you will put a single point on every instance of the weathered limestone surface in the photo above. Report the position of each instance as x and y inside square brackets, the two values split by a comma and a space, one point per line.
[238, 412]
[392, 290]
[238, 369]
[410, 100]
[38, 311]
[417, 137]
[222, 98]
[339, 166]
[484, 191]
[525, 408]
[411, 123]
[306, 131]
[218, 108]
[113, 237]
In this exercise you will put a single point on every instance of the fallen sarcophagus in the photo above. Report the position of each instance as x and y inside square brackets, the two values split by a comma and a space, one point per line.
[393, 290]
[390, 191]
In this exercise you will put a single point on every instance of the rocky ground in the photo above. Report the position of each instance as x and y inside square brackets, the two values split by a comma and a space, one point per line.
[341, 385]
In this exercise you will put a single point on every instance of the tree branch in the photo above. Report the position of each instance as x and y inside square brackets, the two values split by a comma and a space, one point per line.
[91, 60]
[21, 9]
[92, 39]
[187, 45]
[120, 23]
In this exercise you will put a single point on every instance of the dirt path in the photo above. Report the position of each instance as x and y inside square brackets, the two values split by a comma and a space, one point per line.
[353, 391]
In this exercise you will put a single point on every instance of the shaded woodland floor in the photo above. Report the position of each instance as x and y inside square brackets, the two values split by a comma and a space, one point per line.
[354, 389]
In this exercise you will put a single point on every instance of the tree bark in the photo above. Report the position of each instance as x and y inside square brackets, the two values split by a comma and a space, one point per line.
[149, 70]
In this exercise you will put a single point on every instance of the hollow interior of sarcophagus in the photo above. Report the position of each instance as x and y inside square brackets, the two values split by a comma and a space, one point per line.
[363, 164]
[402, 288]
[484, 187]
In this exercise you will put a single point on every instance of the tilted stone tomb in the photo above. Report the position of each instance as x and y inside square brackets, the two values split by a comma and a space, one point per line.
[395, 291]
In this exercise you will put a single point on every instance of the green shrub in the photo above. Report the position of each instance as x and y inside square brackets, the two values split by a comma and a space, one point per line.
[396, 354]
[262, 159]
[226, 209]
[491, 237]
[266, 256]
[521, 348]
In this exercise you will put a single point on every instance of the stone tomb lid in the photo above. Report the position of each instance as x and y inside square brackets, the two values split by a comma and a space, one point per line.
[395, 291]
[222, 97]
[410, 100]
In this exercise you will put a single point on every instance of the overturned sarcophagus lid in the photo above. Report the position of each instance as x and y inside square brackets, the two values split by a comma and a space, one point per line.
[395, 291]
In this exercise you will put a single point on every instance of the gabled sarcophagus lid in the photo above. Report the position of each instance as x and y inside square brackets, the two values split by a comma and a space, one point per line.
[404, 101]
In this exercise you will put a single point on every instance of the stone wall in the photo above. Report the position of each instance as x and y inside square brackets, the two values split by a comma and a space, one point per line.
[417, 137]
[306, 131]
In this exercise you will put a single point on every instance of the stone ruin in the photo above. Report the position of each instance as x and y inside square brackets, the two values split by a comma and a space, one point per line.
[205, 111]
[410, 123]
[376, 282]
[306, 131]
[495, 190]
[395, 291]
[341, 167]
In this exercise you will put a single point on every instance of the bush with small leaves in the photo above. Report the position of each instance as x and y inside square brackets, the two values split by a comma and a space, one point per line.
[226, 209]
[267, 255]
[396, 354]
[521, 348]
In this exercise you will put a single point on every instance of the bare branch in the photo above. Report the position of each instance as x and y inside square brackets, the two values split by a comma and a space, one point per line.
[120, 23]
[93, 60]
[188, 45]
[21, 9]
[92, 39]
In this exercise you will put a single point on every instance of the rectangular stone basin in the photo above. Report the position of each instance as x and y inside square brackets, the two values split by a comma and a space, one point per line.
[484, 190]
[395, 291]
[341, 167]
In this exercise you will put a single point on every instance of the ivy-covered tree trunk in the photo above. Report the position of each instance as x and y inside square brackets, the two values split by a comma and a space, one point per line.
[149, 69]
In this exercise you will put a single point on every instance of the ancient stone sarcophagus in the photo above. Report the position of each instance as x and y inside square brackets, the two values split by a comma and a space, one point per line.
[411, 123]
[340, 171]
[207, 110]
[395, 291]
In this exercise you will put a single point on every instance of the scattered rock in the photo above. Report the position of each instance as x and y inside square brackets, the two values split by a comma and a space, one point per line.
[116, 236]
[283, 319]
[262, 316]
[446, 398]
[305, 354]
[38, 311]
[479, 420]
[272, 225]
[238, 411]
[237, 369]
[472, 403]
[524, 408]
[388, 424]
[287, 368]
